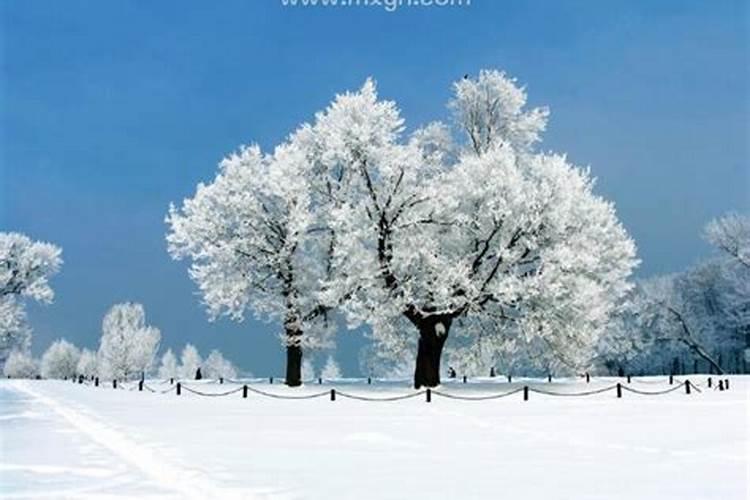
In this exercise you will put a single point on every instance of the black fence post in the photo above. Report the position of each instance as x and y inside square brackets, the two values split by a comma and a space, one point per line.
[320, 380]
[588, 377]
[114, 384]
[428, 395]
[140, 385]
[628, 378]
[244, 391]
[671, 379]
[96, 382]
[526, 393]
[179, 388]
[510, 378]
[710, 381]
[333, 394]
[687, 387]
[270, 380]
[171, 381]
[619, 390]
[726, 383]
[369, 380]
[549, 378]
[464, 379]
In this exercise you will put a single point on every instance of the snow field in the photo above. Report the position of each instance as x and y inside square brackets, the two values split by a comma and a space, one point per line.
[668, 446]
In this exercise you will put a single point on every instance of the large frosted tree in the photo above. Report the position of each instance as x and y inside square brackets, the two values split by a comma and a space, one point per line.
[254, 245]
[433, 230]
[26, 267]
[128, 345]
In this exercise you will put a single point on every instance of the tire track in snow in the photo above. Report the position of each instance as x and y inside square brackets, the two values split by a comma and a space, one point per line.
[170, 477]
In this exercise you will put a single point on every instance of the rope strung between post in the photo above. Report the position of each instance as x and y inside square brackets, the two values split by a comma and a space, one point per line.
[133, 386]
[659, 393]
[211, 394]
[651, 382]
[573, 394]
[282, 396]
[169, 389]
[384, 399]
[477, 398]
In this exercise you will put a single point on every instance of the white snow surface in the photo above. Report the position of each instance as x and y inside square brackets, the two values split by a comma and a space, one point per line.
[65, 440]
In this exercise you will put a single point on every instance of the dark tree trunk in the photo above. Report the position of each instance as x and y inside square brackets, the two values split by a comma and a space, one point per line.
[293, 365]
[433, 332]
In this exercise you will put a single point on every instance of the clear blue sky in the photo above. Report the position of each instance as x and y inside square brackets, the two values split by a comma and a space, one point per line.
[110, 110]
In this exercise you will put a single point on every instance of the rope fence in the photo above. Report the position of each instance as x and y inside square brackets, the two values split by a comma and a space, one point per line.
[178, 386]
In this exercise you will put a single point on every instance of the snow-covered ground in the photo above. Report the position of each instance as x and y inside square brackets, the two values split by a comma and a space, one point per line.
[64, 440]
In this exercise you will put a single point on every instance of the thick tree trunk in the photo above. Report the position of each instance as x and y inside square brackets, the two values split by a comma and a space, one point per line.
[293, 354]
[293, 365]
[433, 333]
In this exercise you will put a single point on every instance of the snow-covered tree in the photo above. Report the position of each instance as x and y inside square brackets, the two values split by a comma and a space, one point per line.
[15, 333]
[254, 245]
[307, 370]
[128, 345]
[87, 364]
[190, 362]
[731, 235]
[331, 369]
[20, 364]
[169, 367]
[26, 267]
[488, 234]
[679, 309]
[216, 366]
[60, 360]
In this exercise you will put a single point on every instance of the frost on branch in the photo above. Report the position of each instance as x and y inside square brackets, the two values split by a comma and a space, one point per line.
[15, 334]
[25, 269]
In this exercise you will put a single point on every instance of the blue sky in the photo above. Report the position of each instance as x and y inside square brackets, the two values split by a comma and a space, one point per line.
[110, 110]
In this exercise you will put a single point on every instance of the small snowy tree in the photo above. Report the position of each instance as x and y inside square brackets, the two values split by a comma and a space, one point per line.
[190, 362]
[128, 346]
[169, 368]
[308, 370]
[60, 360]
[26, 267]
[217, 366]
[87, 364]
[331, 369]
[20, 364]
